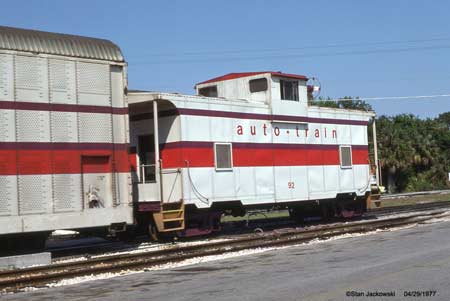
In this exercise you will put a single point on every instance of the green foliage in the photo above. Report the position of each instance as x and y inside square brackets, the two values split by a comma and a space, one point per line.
[347, 102]
[414, 153]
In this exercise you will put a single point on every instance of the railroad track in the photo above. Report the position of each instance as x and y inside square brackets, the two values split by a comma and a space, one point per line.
[230, 230]
[409, 208]
[39, 276]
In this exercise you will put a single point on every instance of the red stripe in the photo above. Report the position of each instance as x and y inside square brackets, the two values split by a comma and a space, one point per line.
[252, 116]
[58, 107]
[96, 164]
[360, 156]
[244, 155]
[44, 161]
[69, 159]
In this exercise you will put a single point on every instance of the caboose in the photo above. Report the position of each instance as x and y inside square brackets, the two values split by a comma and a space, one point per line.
[246, 140]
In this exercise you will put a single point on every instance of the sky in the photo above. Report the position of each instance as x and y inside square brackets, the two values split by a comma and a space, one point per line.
[354, 48]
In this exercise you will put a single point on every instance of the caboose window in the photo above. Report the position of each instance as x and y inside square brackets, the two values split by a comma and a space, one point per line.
[146, 152]
[289, 90]
[223, 157]
[210, 91]
[258, 85]
[345, 154]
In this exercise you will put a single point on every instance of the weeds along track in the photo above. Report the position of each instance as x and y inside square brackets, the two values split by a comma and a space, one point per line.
[409, 208]
[14, 280]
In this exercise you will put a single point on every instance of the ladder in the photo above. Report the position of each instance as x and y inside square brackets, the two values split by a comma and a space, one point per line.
[170, 218]
[374, 197]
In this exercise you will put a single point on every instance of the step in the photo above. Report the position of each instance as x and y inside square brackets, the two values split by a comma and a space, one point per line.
[173, 229]
[172, 211]
[172, 204]
[165, 220]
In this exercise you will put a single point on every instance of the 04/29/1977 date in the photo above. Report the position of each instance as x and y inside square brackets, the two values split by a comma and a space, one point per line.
[419, 294]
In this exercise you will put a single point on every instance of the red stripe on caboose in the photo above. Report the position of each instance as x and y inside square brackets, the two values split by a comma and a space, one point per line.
[178, 154]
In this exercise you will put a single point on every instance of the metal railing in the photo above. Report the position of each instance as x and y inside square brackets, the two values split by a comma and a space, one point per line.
[147, 173]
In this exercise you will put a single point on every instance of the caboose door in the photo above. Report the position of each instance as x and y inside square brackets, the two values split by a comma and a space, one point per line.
[97, 181]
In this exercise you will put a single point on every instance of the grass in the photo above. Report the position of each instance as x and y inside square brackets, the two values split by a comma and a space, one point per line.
[256, 215]
[416, 200]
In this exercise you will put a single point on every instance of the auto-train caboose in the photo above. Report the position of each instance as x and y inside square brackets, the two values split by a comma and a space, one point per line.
[247, 140]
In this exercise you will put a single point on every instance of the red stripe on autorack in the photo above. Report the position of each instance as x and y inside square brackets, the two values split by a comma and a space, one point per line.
[45, 161]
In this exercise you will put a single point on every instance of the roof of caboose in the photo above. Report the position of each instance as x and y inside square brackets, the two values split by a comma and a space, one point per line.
[59, 44]
[247, 74]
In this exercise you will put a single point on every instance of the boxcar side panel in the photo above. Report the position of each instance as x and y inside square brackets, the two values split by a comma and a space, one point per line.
[54, 112]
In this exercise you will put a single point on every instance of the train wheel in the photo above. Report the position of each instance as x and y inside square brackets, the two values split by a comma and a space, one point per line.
[297, 215]
[128, 235]
[152, 231]
[37, 243]
[325, 213]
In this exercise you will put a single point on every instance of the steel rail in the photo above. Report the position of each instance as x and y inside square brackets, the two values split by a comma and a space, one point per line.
[14, 280]
[96, 249]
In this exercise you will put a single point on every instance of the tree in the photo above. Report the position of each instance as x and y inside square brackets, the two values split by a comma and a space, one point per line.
[414, 153]
[346, 102]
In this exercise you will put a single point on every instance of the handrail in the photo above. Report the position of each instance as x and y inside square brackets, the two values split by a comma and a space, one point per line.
[142, 169]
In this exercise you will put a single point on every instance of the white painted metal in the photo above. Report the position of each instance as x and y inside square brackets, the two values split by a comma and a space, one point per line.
[375, 150]
[31, 79]
[95, 127]
[64, 127]
[158, 176]
[67, 195]
[62, 83]
[8, 197]
[93, 81]
[32, 126]
[120, 128]
[117, 86]
[252, 185]
[289, 107]
[7, 125]
[238, 88]
[35, 194]
[6, 77]
[97, 186]
[44, 202]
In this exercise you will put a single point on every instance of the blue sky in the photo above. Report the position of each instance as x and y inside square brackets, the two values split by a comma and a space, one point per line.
[357, 48]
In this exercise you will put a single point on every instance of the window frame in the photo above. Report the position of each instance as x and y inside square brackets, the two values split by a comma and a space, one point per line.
[142, 165]
[212, 87]
[340, 157]
[282, 89]
[231, 156]
[258, 79]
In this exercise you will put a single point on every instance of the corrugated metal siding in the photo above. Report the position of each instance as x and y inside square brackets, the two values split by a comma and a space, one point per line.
[59, 44]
